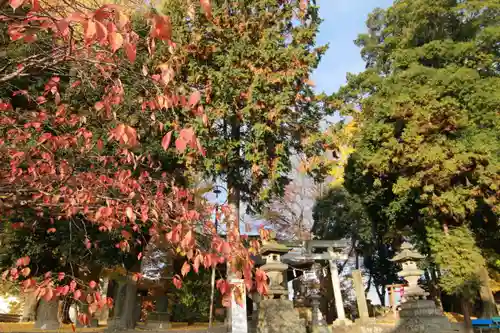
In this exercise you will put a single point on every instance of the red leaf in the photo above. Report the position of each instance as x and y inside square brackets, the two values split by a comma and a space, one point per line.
[99, 105]
[194, 98]
[185, 268]
[72, 285]
[165, 142]
[197, 262]
[89, 29]
[131, 51]
[83, 319]
[92, 284]
[35, 5]
[76, 84]
[51, 230]
[200, 148]
[49, 293]
[161, 27]
[223, 286]
[130, 213]
[102, 32]
[77, 294]
[109, 302]
[207, 8]
[180, 144]
[115, 41]
[60, 276]
[65, 290]
[15, 3]
[24, 261]
[76, 17]
[25, 271]
[87, 243]
[177, 282]
[126, 234]
[226, 248]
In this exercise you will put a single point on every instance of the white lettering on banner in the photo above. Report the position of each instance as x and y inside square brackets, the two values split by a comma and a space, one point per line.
[239, 311]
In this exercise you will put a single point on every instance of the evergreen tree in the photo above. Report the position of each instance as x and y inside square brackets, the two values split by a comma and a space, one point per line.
[259, 109]
[428, 149]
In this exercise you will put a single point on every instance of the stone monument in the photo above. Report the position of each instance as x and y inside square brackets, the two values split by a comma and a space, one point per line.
[360, 295]
[418, 314]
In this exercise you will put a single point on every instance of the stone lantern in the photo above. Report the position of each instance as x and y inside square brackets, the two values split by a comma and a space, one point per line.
[408, 258]
[417, 313]
[275, 269]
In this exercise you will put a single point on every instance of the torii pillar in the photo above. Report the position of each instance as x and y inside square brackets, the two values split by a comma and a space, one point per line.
[331, 257]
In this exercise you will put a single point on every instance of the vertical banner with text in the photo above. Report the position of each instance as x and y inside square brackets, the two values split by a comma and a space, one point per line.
[238, 307]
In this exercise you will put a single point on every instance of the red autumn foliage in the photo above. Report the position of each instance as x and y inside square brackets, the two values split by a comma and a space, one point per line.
[118, 190]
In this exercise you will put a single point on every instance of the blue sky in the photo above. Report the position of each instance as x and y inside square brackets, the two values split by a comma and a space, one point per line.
[343, 21]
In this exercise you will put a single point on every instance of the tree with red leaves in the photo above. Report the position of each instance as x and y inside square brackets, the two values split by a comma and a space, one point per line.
[74, 144]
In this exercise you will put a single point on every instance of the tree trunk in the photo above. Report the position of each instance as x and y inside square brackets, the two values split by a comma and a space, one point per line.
[487, 298]
[467, 313]
[233, 179]
[368, 286]
[381, 294]
[436, 288]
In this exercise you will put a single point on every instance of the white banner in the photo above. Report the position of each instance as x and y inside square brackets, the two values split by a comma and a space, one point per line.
[239, 311]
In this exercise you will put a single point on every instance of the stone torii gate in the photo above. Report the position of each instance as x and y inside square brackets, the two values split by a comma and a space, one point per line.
[331, 255]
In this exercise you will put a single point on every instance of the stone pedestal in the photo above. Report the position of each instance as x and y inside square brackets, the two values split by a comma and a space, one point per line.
[47, 315]
[29, 307]
[422, 316]
[318, 324]
[159, 319]
[305, 314]
[279, 316]
[84, 308]
[125, 306]
[102, 314]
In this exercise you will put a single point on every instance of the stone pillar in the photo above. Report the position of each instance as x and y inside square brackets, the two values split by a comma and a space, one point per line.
[339, 305]
[161, 304]
[489, 306]
[47, 315]
[124, 307]
[29, 306]
[103, 314]
[360, 295]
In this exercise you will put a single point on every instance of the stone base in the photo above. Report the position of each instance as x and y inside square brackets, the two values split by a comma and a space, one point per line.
[305, 314]
[365, 326]
[279, 316]
[320, 329]
[422, 316]
[93, 322]
[341, 322]
[157, 324]
[47, 315]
